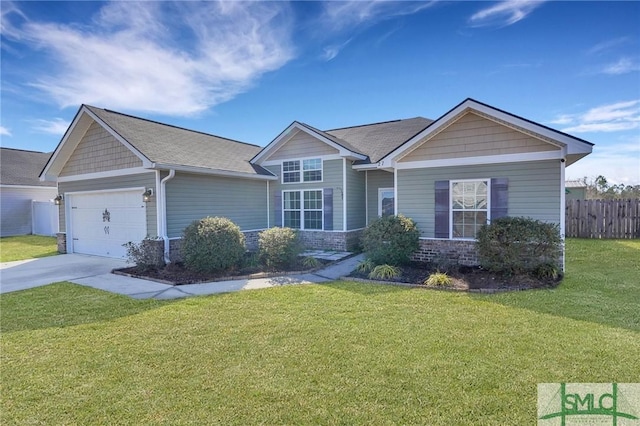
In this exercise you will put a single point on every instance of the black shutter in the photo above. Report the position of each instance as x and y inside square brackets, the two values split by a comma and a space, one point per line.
[499, 198]
[328, 208]
[442, 209]
[277, 209]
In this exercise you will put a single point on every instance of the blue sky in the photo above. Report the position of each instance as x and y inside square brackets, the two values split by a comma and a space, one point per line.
[246, 70]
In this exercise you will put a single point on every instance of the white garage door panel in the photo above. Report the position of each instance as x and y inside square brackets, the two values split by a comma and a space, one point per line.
[102, 222]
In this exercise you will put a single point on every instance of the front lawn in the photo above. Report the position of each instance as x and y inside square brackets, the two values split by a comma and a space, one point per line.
[26, 247]
[342, 353]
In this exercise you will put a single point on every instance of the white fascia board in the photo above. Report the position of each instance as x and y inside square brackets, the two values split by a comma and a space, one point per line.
[63, 151]
[213, 172]
[105, 174]
[486, 159]
[8, 186]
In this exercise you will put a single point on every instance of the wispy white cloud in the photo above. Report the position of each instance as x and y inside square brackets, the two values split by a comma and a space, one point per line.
[504, 13]
[330, 52]
[57, 126]
[176, 58]
[339, 15]
[607, 45]
[623, 66]
[344, 18]
[4, 131]
[619, 116]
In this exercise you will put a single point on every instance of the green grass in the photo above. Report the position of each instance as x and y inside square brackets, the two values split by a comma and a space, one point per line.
[343, 353]
[27, 247]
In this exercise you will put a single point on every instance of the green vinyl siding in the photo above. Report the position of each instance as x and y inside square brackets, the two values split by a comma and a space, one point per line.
[191, 197]
[331, 178]
[143, 180]
[376, 179]
[356, 198]
[534, 190]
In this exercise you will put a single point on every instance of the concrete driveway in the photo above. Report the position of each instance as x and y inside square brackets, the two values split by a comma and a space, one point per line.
[24, 274]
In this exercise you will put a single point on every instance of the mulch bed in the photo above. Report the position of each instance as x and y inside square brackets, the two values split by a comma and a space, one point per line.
[177, 274]
[466, 278]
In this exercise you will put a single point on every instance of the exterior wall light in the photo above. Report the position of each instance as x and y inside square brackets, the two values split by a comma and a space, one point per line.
[58, 200]
[146, 196]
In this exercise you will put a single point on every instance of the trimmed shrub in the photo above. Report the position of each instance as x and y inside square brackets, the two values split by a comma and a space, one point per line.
[518, 245]
[279, 247]
[212, 244]
[391, 240]
[384, 272]
[147, 255]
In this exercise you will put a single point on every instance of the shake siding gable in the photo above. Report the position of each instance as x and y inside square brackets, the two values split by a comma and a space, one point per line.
[191, 197]
[99, 151]
[534, 190]
[472, 135]
[376, 179]
[146, 180]
[302, 145]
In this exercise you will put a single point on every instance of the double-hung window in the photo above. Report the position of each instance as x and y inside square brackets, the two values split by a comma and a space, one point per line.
[297, 171]
[302, 209]
[469, 207]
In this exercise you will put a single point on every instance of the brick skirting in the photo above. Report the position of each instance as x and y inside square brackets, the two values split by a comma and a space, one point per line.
[455, 251]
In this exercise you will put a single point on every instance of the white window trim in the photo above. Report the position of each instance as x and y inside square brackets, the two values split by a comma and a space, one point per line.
[301, 171]
[380, 190]
[302, 210]
[451, 182]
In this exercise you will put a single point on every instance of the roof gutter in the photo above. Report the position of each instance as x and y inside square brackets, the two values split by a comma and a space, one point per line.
[162, 211]
[214, 172]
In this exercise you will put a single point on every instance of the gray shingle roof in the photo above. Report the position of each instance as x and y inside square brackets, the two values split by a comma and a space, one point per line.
[378, 139]
[20, 167]
[166, 144]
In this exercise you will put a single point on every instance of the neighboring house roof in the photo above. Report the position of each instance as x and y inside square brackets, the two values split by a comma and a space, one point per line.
[21, 167]
[575, 184]
[379, 139]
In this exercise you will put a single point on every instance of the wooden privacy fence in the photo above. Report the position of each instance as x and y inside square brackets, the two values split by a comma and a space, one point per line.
[603, 218]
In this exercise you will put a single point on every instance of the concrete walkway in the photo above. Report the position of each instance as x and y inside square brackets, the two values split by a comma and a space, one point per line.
[92, 271]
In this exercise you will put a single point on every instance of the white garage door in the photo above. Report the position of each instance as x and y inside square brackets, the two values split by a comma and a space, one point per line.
[102, 222]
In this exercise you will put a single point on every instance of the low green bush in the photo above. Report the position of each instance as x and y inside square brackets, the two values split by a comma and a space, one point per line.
[147, 255]
[384, 272]
[391, 240]
[518, 245]
[279, 247]
[212, 244]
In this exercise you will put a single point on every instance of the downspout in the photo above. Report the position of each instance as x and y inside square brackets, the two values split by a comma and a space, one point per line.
[162, 200]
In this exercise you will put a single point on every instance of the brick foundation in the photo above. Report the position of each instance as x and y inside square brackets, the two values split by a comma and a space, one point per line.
[61, 238]
[338, 241]
[454, 251]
